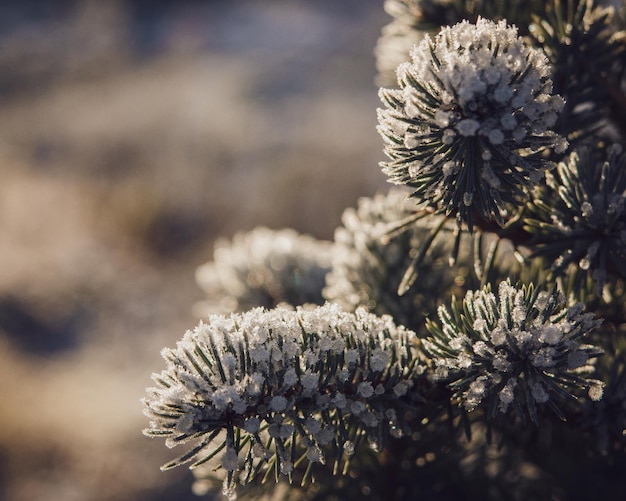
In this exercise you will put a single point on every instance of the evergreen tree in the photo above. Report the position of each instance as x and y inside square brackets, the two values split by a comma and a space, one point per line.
[464, 336]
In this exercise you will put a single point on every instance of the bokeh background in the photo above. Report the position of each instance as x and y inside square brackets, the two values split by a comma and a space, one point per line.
[133, 133]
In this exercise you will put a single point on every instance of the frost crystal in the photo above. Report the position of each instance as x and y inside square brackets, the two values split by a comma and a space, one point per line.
[229, 460]
[278, 403]
[514, 346]
[474, 88]
[365, 389]
[596, 391]
[348, 448]
[507, 394]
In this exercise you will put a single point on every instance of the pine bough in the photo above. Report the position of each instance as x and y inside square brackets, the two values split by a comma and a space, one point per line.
[503, 124]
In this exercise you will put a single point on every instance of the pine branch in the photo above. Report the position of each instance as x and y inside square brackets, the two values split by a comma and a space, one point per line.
[274, 386]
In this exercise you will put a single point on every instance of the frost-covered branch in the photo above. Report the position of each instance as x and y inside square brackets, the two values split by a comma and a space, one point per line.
[269, 389]
[468, 126]
[519, 350]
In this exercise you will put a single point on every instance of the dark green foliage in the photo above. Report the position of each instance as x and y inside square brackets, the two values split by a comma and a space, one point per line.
[578, 218]
[511, 143]
[587, 51]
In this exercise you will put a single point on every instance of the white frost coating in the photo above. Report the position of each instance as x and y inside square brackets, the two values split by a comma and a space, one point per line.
[365, 389]
[290, 378]
[467, 127]
[252, 425]
[314, 454]
[518, 340]
[278, 403]
[401, 388]
[596, 391]
[469, 69]
[379, 359]
[507, 394]
[357, 408]
[260, 452]
[476, 83]
[255, 371]
[348, 448]
[309, 382]
[496, 136]
[539, 393]
[442, 118]
[229, 460]
[448, 136]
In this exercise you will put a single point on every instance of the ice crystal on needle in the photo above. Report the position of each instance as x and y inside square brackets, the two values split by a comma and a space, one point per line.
[467, 126]
[267, 384]
[518, 349]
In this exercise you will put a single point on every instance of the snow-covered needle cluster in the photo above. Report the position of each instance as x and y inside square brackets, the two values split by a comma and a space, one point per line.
[263, 267]
[369, 262]
[467, 126]
[268, 389]
[518, 350]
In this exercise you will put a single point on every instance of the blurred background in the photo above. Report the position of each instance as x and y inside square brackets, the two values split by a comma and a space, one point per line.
[133, 133]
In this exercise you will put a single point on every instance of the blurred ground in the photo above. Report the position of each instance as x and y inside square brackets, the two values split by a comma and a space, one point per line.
[132, 134]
